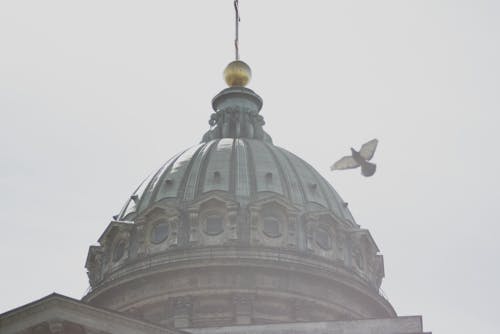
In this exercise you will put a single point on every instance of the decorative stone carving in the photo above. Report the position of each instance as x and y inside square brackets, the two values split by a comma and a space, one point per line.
[236, 116]
[325, 236]
[273, 223]
[160, 230]
[94, 265]
[214, 221]
[119, 248]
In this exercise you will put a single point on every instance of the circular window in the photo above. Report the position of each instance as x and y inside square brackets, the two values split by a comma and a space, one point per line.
[119, 250]
[214, 224]
[323, 238]
[271, 227]
[159, 232]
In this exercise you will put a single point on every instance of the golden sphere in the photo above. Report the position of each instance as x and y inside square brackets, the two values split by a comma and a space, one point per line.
[237, 73]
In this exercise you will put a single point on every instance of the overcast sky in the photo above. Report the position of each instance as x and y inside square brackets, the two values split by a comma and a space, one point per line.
[95, 95]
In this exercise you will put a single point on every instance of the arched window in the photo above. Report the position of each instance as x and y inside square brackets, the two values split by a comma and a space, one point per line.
[159, 232]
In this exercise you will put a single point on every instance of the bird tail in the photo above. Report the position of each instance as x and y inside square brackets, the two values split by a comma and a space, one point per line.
[368, 169]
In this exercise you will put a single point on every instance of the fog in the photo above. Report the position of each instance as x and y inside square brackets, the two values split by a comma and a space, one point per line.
[95, 95]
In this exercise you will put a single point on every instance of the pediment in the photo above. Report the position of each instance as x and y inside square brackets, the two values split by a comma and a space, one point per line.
[159, 210]
[215, 197]
[276, 200]
[113, 229]
[58, 314]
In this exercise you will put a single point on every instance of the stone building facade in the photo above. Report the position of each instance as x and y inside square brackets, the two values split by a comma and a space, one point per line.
[233, 235]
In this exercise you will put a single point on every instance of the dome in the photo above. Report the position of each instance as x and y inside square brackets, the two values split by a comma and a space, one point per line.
[236, 230]
[243, 170]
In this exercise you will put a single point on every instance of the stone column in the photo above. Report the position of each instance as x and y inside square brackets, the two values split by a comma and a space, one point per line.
[291, 231]
[194, 226]
[254, 226]
[174, 222]
[232, 216]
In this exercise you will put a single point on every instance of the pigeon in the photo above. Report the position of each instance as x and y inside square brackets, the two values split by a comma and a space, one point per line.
[360, 158]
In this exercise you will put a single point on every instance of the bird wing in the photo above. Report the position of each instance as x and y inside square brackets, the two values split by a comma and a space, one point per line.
[345, 163]
[368, 150]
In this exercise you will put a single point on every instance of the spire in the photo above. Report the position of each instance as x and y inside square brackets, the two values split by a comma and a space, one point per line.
[237, 107]
[236, 116]
[237, 29]
[237, 73]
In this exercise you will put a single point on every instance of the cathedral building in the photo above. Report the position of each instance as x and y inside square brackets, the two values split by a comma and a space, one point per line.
[232, 235]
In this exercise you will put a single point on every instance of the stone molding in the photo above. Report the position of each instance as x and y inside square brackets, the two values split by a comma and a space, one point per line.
[399, 325]
[350, 246]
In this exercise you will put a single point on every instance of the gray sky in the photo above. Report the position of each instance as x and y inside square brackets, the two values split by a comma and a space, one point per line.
[95, 95]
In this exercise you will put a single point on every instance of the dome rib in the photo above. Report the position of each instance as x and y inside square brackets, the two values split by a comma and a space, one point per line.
[251, 171]
[279, 167]
[182, 186]
[130, 206]
[315, 176]
[291, 176]
[171, 183]
[303, 177]
[297, 175]
[232, 169]
[265, 165]
[218, 170]
[242, 177]
[150, 194]
[333, 204]
[192, 181]
[200, 179]
[133, 204]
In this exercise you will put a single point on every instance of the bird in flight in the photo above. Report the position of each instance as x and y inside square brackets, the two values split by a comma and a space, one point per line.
[360, 158]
